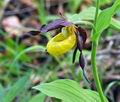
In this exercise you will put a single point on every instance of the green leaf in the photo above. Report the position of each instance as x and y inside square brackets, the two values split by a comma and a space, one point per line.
[2, 92]
[104, 19]
[18, 87]
[85, 15]
[115, 24]
[38, 98]
[88, 15]
[103, 2]
[74, 4]
[68, 91]
[32, 48]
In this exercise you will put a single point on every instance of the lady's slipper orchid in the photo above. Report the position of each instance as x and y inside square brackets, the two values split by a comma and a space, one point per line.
[71, 36]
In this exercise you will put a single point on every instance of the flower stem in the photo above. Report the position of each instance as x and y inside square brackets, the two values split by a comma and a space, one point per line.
[93, 59]
[95, 72]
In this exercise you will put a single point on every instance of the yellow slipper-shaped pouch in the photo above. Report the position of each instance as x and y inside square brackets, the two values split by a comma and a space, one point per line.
[62, 43]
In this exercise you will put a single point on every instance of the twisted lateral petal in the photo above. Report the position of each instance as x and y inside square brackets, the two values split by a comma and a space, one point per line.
[59, 45]
[74, 55]
[82, 33]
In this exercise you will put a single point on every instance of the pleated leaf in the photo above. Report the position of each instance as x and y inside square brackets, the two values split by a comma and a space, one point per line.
[68, 91]
[38, 98]
[104, 18]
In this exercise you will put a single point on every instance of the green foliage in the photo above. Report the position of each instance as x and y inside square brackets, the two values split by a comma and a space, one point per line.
[12, 48]
[88, 15]
[109, 87]
[104, 19]
[33, 48]
[68, 91]
[38, 98]
[16, 89]
[30, 49]
[115, 24]
[101, 22]
[2, 92]
[41, 11]
[103, 2]
[74, 4]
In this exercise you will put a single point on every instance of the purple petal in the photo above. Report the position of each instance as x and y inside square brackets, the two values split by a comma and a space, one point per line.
[79, 42]
[74, 55]
[54, 25]
[83, 34]
[84, 74]
[82, 65]
[82, 61]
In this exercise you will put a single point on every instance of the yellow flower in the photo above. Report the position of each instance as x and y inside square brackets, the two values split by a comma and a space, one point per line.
[62, 42]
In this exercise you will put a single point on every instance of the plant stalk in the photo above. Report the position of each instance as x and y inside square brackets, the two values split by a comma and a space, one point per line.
[95, 72]
[93, 58]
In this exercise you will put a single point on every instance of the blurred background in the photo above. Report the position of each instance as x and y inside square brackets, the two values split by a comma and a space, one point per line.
[23, 65]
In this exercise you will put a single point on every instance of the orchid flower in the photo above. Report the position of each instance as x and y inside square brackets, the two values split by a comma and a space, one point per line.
[70, 36]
